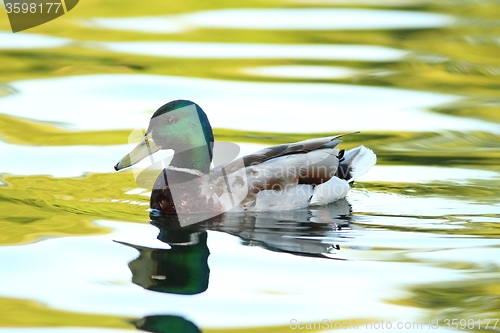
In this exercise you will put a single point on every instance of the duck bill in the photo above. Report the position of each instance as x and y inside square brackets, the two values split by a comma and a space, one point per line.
[145, 148]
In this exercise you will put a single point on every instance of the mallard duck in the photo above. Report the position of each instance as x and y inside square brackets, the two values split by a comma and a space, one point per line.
[289, 176]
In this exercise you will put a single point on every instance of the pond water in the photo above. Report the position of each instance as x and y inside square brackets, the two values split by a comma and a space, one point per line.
[414, 246]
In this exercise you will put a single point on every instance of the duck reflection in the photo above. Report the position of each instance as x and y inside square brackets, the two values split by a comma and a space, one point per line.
[183, 269]
[307, 232]
[166, 324]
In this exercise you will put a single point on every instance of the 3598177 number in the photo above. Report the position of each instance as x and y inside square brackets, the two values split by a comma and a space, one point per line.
[32, 7]
[471, 323]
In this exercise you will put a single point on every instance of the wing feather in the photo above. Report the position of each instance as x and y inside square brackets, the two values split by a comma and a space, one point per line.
[301, 147]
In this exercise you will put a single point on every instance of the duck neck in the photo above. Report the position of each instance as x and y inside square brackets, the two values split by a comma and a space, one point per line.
[190, 156]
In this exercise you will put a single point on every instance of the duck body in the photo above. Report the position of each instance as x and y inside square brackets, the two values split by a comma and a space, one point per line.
[290, 176]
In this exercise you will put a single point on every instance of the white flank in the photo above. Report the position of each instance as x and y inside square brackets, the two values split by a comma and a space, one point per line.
[329, 191]
[293, 197]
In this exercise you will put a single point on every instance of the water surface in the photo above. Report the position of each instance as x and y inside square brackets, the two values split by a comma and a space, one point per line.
[415, 241]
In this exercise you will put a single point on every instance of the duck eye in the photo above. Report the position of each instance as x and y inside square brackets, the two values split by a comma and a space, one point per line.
[172, 120]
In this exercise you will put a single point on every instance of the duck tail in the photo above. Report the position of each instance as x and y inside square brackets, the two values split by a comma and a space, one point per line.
[355, 163]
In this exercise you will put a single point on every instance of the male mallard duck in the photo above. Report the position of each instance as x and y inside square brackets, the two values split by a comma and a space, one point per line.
[288, 176]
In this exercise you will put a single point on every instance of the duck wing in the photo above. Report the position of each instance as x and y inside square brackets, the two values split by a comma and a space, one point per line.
[273, 152]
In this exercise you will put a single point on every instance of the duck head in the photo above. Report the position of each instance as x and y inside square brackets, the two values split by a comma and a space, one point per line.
[180, 125]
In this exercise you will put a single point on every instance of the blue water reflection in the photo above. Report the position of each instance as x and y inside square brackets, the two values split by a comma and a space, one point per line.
[119, 102]
[202, 50]
[277, 19]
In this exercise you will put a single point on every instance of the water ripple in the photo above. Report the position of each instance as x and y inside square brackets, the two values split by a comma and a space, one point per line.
[276, 19]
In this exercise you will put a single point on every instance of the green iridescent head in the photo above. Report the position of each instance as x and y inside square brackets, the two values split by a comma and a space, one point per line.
[180, 125]
[180, 122]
